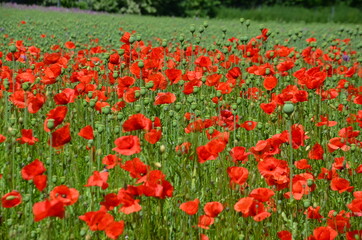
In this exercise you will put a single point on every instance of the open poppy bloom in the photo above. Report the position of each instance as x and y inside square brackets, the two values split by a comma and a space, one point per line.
[190, 207]
[11, 199]
[48, 208]
[127, 145]
[68, 196]
[27, 137]
[98, 179]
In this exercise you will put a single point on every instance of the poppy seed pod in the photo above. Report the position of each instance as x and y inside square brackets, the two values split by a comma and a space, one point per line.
[206, 24]
[132, 40]
[288, 108]
[192, 29]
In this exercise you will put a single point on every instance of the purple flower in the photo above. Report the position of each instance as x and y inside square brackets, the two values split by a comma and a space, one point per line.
[345, 58]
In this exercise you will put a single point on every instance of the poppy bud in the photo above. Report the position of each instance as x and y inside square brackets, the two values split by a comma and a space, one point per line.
[149, 84]
[193, 106]
[141, 64]
[181, 38]
[119, 116]
[241, 20]
[138, 38]
[192, 29]
[288, 108]
[132, 40]
[247, 23]
[92, 102]
[50, 124]
[137, 93]
[54, 179]
[115, 74]
[137, 108]
[146, 101]
[9, 222]
[178, 106]
[12, 49]
[157, 165]
[83, 232]
[143, 91]
[162, 148]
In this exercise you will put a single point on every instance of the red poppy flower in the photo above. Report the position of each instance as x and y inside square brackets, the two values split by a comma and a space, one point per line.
[268, 108]
[137, 122]
[164, 98]
[61, 136]
[40, 182]
[204, 154]
[27, 137]
[183, 148]
[352, 235]
[205, 222]
[339, 221]
[191, 207]
[48, 208]
[270, 82]
[153, 136]
[324, 233]
[239, 154]
[285, 235]
[248, 206]
[174, 75]
[213, 79]
[98, 220]
[249, 125]
[68, 95]
[86, 132]
[11, 199]
[313, 213]
[69, 45]
[68, 196]
[33, 169]
[298, 136]
[203, 61]
[341, 185]
[127, 145]
[213, 209]
[262, 194]
[302, 164]
[115, 229]
[58, 114]
[2, 138]
[135, 167]
[238, 175]
[356, 206]
[316, 152]
[129, 204]
[111, 161]
[98, 179]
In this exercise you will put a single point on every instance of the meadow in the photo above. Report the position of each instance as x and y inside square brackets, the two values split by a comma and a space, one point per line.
[130, 127]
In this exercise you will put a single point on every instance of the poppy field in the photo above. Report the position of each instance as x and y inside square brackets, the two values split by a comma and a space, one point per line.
[128, 127]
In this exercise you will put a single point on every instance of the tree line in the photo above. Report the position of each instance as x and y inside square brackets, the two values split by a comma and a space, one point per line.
[183, 8]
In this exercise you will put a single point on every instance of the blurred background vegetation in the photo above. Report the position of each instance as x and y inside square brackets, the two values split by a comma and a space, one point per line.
[342, 11]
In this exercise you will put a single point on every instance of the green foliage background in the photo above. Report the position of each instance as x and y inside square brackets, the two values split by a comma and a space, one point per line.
[315, 9]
